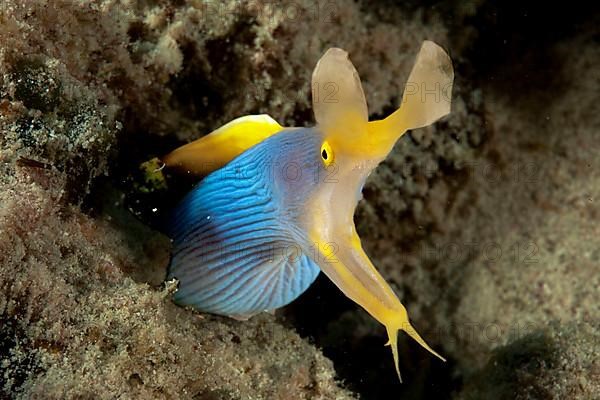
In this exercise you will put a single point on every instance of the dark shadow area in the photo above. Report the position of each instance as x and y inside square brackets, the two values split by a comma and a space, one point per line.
[15, 349]
[355, 342]
[512, 52]
[513, 48]
[518, 365]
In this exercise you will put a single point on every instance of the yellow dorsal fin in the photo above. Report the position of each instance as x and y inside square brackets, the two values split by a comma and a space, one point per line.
[216, 149]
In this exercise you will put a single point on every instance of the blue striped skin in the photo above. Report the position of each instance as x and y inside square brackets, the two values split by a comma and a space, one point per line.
[236, 241]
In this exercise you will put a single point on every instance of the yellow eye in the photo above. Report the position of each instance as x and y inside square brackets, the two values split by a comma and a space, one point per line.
[326, 154]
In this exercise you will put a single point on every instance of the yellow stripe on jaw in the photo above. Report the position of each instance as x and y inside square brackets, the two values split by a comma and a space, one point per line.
[363, 284]
[344, 125]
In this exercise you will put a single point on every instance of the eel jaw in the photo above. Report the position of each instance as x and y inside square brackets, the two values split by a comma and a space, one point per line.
[336, 248]
[353, 273]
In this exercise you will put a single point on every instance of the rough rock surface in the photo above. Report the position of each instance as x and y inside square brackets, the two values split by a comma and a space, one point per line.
[559, 362]
[76, 325]
[510, 260]
[484, 223]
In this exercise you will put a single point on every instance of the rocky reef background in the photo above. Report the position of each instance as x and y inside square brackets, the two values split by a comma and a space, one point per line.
[486, 223]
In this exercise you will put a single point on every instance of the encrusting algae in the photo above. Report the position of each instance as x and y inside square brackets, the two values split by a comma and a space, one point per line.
[83, 312]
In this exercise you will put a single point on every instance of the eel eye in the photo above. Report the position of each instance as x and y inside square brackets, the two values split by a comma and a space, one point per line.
[326, 154]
